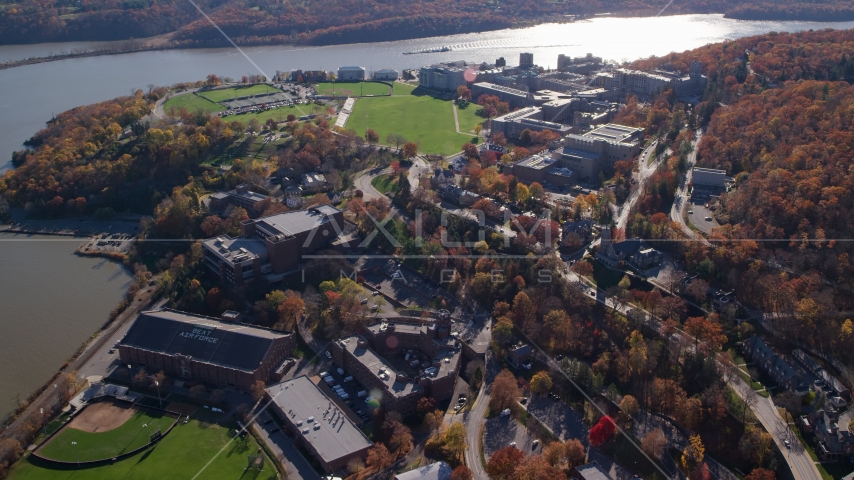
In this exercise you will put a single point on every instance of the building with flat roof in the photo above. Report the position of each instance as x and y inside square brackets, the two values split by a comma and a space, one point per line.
[435, 471]
[194, 347]
[592, 471]
[514, 97]
[581, 65]
[542, 168]
[526, 60]
[317, 424]
[591, 153]
[351, 74]
[531, 118]
[273, 245]
[313, 182]
[386, 74]
[383, 360]
[648, 84]
[240, 196]
[709, 177]
[443, 76]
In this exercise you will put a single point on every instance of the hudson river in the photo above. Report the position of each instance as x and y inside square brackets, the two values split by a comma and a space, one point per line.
[51, 300]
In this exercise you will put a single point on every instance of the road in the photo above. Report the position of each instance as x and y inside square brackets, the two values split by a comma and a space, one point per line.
[363, 183]
[803, 467]
[800, 463]
[677, 212]
[473, 421]
[645, 170]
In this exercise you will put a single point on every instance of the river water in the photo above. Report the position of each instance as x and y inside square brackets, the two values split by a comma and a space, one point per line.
[51, 300]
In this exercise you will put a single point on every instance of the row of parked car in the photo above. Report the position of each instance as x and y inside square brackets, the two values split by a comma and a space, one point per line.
[342, 393]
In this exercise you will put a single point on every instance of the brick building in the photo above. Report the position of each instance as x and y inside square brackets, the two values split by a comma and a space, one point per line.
[194, 347]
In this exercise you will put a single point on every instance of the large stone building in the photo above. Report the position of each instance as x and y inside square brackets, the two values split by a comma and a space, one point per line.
[542, 169]
[386, 74]
[272, 246]
[240, 196]
[351, 74]
[647, 84]
[709, 177]
[526, 60]
[317, 424]
[531, 118]
[210, 350]
[581, 65]
[591, 153]
[514, 97]
[445, 76]
[382, 361]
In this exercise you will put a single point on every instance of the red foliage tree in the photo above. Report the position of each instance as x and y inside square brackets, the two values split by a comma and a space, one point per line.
[602, 431]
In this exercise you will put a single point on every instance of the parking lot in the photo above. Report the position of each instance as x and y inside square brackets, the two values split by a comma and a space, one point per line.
[504, 431]
[699, 216]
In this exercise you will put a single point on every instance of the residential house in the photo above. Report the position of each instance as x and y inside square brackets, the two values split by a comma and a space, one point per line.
[313, 182]
[633, 251]
[520, 356]
[774, 366]
[574, 232]
[442, 178]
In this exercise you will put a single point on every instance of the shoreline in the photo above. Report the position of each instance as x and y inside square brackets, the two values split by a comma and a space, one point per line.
[157, 43]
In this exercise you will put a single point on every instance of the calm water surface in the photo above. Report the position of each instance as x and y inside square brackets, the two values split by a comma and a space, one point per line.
[51, 300]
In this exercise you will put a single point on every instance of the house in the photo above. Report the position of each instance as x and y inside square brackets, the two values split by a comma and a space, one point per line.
[520, 356]
[442, 178]
[632, 251]
[386, 74]
[293, 197]
[313, 182]
[575, 232]
[834, 442]
[592, 471]
[457, 195]
[435, 471]
[241, 196]
[774, 366]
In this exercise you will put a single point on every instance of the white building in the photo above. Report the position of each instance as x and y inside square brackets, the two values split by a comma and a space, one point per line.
[351, 74]
[386, 74]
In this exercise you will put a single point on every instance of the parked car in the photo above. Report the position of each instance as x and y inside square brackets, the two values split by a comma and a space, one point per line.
[505, 412]
[328, 355]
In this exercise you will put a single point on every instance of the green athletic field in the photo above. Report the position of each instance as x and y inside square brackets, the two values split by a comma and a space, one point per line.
[419, 118]
[98, 445]
[352, 89]
[223, 94]
[192, 103]
[182, 454]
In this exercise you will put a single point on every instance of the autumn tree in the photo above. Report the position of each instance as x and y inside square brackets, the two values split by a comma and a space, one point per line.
[289, 309]
[555, 453]
[463, 472]
[502, 464]
[505, 391]
[629, 406]
[425, 405]
[654, 442]
[371, 136]
[537, 468]
[761, 474]
[410, 149]
[575, 453]
[379, 457]
[602, 432]
[257, 390]
[692, 456]
[541, 383]
[455, 439]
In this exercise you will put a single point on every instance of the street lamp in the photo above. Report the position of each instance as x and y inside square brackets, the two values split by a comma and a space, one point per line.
[158, 393]
[76, 454]
[41, 410]
[132, 383]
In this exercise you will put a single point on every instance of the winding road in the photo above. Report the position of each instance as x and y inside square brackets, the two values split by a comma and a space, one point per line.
[677, 212]
[645, 170]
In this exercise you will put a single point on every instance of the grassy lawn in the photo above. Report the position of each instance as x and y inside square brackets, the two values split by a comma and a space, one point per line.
[192, 103]
[181, 454]
[98, 445]
[605, 277]
[402, 89]
[352, 89]
[422, 119]
[385, 183]
[222, 94]
[468, 117]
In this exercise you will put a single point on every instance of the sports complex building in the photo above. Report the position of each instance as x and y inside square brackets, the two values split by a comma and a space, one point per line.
[317, 423]
[195, 347]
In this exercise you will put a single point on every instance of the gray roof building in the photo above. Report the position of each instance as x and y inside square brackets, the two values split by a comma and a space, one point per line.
[435, 471]
[193, 346]
[592, 471]
[317, 423]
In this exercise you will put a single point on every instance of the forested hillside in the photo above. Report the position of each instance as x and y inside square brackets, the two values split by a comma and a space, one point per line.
[347, 21]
